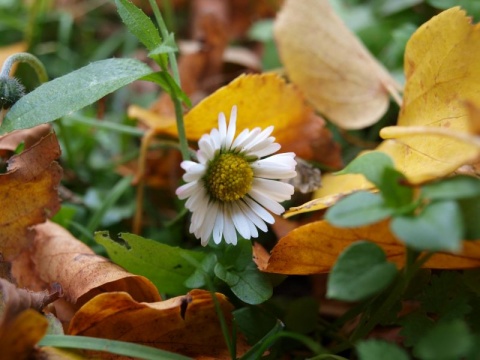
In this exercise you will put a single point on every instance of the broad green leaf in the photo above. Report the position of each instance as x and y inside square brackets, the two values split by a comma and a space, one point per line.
[439, 227]
[249, 285]
[139, 24]
[360, 271]
[446, 341]
[358, 209]
[371, 165]
[458, 187]
[164, 265]
[72, 92]
[380, 350]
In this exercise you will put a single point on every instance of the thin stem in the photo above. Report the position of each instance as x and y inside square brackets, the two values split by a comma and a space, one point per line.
[26, 58]
[176, 101]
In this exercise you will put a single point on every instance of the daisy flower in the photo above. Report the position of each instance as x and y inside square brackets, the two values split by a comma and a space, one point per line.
[235, 182]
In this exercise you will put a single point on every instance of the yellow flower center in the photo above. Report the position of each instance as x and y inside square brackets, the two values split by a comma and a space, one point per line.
[229, 177]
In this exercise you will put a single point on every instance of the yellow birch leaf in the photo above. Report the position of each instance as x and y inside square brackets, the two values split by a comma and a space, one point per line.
[315, 247]
[185, 324]
[330, 65]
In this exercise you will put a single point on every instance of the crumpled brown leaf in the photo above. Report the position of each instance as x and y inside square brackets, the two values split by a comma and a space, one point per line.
[28, 193]
[55, 255]
[185, 324]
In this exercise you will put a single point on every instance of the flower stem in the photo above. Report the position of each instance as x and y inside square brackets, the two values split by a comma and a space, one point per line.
[26, 58]
[182, 137]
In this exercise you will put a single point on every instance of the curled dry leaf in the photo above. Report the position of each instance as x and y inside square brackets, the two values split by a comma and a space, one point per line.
[332, 67]
[186, 324]
[28, 193]
[315, 247]
[55, 255]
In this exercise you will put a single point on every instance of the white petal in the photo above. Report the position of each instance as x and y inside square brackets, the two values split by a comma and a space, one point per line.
[254, 218]
[240, 139]
[206, 147]
[248, 139]
[276, 190]
[229, 232]
[218, 226]
[194, 172]
[240, 221]
[231, 128]
[187, 190]
[216, 139]
[209, 222]
[259, 210]
[259, 138]
[222, 128]
[266, 150]
[266, 202]
[187, 164]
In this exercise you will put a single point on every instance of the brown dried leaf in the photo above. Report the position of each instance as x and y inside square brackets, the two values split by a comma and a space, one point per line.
[55, 255]
[28, 193]
[186, 324]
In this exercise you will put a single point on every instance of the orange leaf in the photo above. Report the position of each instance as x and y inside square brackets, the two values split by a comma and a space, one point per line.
[330, 65]
[314, 248]
[56, 256]
[185, 324]
[29, 191]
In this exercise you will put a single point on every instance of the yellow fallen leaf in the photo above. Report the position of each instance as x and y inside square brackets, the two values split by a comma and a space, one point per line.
[332, 67]
[315, 247]
[424, 153]
[437, 130]
[185, 324]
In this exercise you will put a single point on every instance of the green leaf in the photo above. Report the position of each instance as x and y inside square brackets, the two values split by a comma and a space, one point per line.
[371, 165]
[139, 24]
[168, 84]
[164, 265]
[358, 209]
[167, 46]
[360, 271]
[254, 322]
[380, 350]
[470, 209]
[458, 187]
[72, 92]
[447, 340]
[439, 227]
[249, 284]
[395, 194]
[197, 279]
[414, 326]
